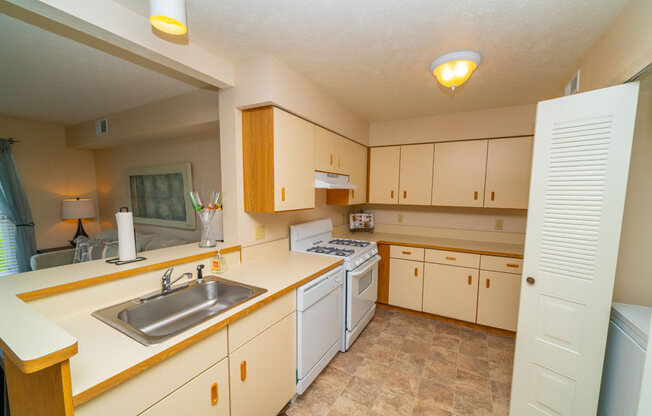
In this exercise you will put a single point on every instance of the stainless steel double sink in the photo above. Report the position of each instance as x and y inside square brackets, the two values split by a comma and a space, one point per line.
[154, 318]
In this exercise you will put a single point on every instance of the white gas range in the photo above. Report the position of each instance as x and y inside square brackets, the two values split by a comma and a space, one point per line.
[360, 263]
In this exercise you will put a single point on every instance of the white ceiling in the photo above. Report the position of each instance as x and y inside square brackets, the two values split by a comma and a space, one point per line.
[374, 54]
[48, 77]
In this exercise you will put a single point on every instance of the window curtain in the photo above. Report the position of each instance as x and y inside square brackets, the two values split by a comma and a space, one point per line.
[14, 206]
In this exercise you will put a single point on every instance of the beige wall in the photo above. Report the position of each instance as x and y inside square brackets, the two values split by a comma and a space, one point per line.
[202, 151]
[263, 81]
[634, 271]
[50, 173]
[493, 122]
[623, 50]
[187, 114]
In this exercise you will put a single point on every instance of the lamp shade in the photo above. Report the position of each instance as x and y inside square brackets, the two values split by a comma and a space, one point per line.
[72, 209]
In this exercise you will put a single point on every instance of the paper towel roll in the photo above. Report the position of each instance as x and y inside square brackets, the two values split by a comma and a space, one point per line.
[126, 240]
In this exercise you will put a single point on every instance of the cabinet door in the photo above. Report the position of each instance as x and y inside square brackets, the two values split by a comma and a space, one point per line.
[416, 174]
[358, 174]
[509, 164]
[458, 178]
[294, 162]
[450, 291]
[343, 161]
[383, 174]
[498, 299]
[205, 395]
[405, 283]
[324, 150]
[263, 371]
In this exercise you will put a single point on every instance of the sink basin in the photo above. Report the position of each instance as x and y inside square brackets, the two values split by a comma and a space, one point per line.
[155, 318]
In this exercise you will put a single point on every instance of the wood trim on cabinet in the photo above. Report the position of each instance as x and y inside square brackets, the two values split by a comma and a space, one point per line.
[45, 392]
[459, 250]
[337, 197]
[97, 389]
[383, 273]
[54, 290]
[466, 324]
[214, 394]
[243, 371]
[258, 159]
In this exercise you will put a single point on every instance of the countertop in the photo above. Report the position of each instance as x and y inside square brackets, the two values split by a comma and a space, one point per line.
[465, 246]
[30, 335]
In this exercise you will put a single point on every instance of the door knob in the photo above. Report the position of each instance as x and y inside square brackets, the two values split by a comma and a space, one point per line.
[530, 280]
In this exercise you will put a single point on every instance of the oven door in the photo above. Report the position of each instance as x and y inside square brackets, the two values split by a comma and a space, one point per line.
[361, 291]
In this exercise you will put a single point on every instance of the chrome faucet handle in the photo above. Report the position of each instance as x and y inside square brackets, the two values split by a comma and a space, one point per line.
[188, 275]
[165, 280]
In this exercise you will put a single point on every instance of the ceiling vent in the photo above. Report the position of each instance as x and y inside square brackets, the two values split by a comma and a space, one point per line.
[574, 85]
[101, 126]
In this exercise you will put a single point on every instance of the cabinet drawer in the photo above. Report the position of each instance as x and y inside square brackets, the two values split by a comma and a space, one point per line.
[453, 258]
[501, 264]
[244, 329]
[406, 253]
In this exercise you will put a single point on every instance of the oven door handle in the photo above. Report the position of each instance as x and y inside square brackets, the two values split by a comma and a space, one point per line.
[372, 262]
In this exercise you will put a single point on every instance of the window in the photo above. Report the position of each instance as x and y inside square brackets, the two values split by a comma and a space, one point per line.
[8, 263]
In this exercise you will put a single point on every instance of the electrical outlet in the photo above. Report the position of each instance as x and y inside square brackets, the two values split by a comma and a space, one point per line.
[498, 225]
[400, 218]
[260, 232]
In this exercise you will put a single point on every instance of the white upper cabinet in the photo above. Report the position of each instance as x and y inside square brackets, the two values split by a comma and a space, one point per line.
[509, 164]
[384, 165]
[324, 150]
[416, 174]
[358, 175]
[459, 173]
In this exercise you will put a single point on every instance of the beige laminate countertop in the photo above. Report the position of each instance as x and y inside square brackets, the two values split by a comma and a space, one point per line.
[465, 246]
[104, 352]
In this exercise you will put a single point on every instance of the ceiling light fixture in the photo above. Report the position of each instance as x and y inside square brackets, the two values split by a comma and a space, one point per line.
[453, 69]
[168, 16]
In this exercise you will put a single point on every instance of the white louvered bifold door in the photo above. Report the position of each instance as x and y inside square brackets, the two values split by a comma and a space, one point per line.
[582, 148]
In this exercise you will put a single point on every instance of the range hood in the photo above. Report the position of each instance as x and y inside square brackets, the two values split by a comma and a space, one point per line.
[325, 180]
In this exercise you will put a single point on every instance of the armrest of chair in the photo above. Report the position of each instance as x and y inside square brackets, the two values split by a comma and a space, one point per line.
[52, 259]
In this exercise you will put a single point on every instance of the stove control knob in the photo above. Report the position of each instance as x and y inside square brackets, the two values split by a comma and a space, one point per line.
[374, 251]
[368, 255]
[358, 262]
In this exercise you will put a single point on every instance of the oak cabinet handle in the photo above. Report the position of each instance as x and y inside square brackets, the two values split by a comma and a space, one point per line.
[512, 265]
[243, 370]
[352, 193]
[331, 159]
[407, 252]
[470, 279]
[493, 194]
[338, 161]
[283, 194]
[416, 271]
[214, 394]
[488, 284]
[392, 194]
[404, 194]
[475, 195]
[451, 258]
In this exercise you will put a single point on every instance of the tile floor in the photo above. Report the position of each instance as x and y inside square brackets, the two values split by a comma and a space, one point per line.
[407, 365]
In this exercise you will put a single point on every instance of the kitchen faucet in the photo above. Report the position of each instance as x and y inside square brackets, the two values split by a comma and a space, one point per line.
[165, 280]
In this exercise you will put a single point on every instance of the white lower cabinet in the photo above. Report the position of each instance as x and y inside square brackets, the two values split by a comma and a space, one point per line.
[450, 291]
[205, 395]
[263, 371]
[498, 299]
[406, 283]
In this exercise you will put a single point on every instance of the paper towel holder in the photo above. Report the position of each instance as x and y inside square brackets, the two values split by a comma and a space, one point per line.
[117, 260]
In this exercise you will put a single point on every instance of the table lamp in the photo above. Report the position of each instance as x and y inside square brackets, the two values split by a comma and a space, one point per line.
[78, 209]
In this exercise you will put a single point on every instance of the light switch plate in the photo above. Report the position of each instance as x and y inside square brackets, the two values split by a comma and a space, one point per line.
[498, 225]
[260, 232]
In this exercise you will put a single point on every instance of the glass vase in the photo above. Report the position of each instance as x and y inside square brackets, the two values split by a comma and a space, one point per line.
[206, 218]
